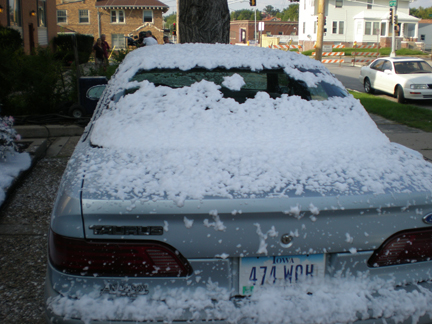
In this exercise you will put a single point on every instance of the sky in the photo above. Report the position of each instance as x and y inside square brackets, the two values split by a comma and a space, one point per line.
[278, 4]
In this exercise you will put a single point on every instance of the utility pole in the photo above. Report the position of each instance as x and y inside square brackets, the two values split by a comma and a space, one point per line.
[320, 31]
[393, 23]
[252, 3]
[255, 29]
[177, 22]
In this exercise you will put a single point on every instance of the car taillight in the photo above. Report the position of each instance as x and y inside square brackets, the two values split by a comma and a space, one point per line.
[404, 247]
[116, 258]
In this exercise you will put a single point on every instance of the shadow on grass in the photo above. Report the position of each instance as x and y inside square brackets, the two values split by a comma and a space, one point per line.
[406, 114]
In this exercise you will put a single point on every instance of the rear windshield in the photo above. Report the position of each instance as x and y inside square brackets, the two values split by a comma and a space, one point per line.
[274, 82]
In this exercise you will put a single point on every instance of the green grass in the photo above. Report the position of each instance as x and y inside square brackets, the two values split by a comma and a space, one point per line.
[385, 51]
[406, 114]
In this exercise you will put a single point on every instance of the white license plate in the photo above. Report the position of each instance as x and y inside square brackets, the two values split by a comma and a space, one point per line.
[260, 271]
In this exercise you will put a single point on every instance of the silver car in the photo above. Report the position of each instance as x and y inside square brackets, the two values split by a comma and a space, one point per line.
[238, 185]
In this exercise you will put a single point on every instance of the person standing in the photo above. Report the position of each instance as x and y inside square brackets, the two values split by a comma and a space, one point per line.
[105, 47]
[99, 54]
[166, 40]
[149, 39]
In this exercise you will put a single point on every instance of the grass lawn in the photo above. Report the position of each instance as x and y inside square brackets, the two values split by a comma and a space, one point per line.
[406, 114]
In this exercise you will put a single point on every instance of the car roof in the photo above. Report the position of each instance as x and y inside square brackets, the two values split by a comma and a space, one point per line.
[211, 56]
[402, 59]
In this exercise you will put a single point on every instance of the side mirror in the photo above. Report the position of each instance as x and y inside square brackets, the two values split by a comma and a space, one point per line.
[388, 72]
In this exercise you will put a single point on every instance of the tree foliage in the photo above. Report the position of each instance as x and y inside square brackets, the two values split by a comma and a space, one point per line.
[170, 19]
[291, 13]
[270, 10]
[420, 12]
[245, 14]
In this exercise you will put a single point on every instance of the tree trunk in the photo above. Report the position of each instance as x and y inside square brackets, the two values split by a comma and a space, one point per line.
[204, 21]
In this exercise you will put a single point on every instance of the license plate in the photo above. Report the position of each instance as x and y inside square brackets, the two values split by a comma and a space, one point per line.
[260, 271]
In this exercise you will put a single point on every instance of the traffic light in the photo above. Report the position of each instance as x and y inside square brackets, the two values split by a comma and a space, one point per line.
[325, 20]
[395, 20]
[174, 32]
[391, 15]
[252, 3]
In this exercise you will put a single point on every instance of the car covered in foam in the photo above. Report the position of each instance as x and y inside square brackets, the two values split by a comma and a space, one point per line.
[237, 185]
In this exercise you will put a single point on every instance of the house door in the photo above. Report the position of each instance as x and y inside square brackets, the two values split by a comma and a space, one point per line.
[243, 35]
[31, 38]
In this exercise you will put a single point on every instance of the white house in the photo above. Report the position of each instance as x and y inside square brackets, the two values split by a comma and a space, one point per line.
[425, 33]
[361, 21]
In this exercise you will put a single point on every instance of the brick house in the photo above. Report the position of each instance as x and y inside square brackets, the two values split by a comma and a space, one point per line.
[242, 31]
[114, 18]
[34, 19]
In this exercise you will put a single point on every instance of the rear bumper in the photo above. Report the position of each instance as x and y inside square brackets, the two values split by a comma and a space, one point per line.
[346, 299]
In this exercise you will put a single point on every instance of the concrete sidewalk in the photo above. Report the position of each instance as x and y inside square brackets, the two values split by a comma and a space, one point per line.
[413, 138]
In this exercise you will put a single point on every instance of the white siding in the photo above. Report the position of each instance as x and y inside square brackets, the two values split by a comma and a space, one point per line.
[378, 14]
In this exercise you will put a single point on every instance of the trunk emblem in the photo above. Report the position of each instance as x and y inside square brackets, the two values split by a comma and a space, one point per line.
[428, 219]
[286, 240]
[126, 230]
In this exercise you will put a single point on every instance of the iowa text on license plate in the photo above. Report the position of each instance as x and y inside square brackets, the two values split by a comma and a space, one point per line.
[259, 271]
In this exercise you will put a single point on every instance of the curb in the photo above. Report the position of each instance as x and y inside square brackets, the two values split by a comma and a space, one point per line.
[45, 131]
[37, 149]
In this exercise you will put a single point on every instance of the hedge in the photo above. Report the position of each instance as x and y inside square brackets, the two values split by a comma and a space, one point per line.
[63, 45]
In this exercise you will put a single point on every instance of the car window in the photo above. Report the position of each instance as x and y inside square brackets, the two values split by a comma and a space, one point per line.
[387, 66]
[408, 67]
[95, 92]
[377, 65]
[274, 82]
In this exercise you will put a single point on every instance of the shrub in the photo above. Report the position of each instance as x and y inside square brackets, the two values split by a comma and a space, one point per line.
[36, 86]
[64, 48]
[7, 136]
[10, 39]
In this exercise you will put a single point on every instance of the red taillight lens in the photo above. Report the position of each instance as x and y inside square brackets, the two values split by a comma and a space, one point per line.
[404, 247]
[116, 258]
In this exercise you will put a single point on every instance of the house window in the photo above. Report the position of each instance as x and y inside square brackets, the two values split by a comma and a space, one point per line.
[375, 30]
[338, 27]
[83, 16]
[61, 17]
[14, 13]
[118, 40]
[341, 27]
[368, 28]
[383, 28]
[117, 16]
[338, 3]
[369, 4]
[304, 27]
[148, 16]
[41, 13]
[422, 37]
[280, 33]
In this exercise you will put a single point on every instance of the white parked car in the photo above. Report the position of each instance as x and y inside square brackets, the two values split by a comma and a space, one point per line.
[405, 78]
[229, 184]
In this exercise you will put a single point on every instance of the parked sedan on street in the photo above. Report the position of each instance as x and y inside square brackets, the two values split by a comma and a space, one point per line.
[405, 78]
[238, 185]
